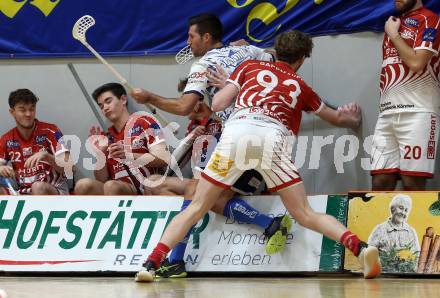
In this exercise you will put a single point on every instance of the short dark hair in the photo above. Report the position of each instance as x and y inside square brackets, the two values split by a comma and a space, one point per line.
[208, 23]
[115, 88]
[21, 96]
[293, 45]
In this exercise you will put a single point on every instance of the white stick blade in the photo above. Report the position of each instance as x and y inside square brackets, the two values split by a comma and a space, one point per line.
[81, 26]
[184, 55]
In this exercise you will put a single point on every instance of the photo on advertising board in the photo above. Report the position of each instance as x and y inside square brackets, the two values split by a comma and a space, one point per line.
[404, 226]
[117, 233]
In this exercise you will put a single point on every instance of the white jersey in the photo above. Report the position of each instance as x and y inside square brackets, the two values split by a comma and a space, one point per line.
[229, 58]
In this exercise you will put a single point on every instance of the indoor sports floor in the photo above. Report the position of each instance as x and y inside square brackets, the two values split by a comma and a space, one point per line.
[301, 287]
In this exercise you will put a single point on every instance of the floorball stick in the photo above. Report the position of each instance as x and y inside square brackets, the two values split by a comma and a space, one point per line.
[79, 33]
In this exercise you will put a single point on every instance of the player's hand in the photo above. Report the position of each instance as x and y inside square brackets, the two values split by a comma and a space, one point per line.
[7, 171]
[217, 78]
[354, 112]
[240, 42]
[140, 95]
[392, 26]
[35, 159]
[116, 151]
[198, 131]
[98, 139]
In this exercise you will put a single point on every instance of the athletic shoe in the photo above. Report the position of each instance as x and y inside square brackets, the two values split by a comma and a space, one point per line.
[147, 273]
[369, 260]
[276, 234]
[171, 270]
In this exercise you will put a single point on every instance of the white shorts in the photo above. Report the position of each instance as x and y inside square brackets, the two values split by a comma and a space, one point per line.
[405, 143]
[252, 144]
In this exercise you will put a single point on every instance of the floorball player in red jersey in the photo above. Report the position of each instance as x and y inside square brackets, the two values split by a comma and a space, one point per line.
[406, 133]
[270, 97]
[32, 148]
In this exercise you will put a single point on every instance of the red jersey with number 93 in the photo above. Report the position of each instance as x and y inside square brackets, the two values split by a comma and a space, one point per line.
[275, 90]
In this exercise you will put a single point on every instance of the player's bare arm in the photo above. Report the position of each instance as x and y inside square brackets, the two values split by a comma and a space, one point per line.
[224, 97]
[416, 60]
[181, 106]
[348, 115]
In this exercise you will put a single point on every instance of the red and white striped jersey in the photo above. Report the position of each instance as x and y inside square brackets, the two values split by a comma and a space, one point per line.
[401, 89]
[140, 133]
[275, 90]
[16, 149]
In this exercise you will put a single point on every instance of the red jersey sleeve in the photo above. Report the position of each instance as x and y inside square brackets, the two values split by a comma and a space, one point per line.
[311, 101]
[3, 151]
[428, 36]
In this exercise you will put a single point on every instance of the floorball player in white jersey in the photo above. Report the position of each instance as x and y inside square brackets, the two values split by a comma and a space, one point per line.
[204, 39]
[270, 97]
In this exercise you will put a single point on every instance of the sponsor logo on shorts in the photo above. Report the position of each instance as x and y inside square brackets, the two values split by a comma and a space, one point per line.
[431, 142]
[220, 164]
[429, 34]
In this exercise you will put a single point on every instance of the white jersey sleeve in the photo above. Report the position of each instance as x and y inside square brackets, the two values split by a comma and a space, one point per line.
[260, 54]
[197, 80]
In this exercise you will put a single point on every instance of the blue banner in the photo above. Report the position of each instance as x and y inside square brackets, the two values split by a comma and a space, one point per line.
[43, 28]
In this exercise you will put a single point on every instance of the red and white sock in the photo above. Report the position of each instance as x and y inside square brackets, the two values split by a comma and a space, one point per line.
[158, 254]
[351, 241]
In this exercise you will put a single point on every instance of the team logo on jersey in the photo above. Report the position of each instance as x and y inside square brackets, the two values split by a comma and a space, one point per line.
[40, 139]
[411, 22]
[198, 75]
[137, 143]
[27, 151]
[429, 34]
[136, 130]
[12, 144]
[408, 34]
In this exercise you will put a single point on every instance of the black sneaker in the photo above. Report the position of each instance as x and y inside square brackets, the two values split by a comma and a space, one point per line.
[147, 273]
[276, 234]
[171, 270]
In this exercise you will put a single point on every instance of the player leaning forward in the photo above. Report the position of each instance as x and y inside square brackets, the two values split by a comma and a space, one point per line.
[270, 99]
